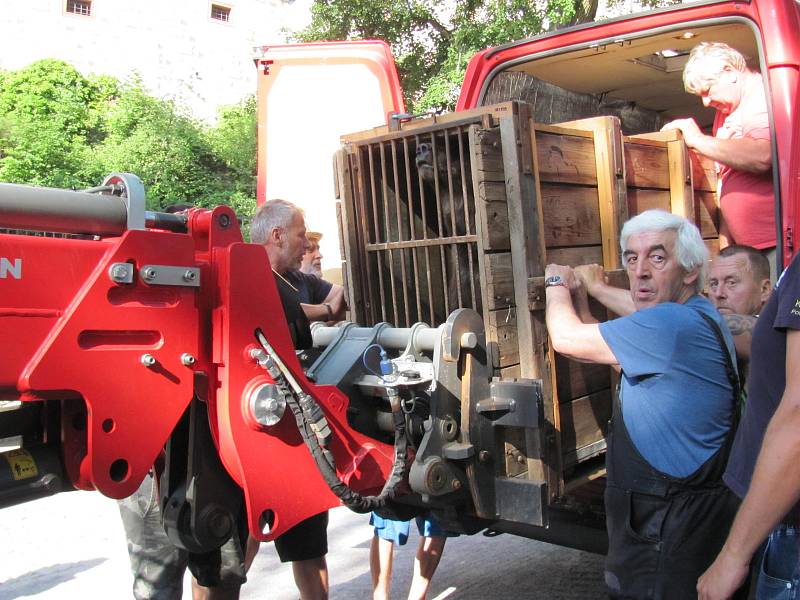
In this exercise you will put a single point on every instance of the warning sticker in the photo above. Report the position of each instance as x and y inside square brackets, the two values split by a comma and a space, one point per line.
[22, 464]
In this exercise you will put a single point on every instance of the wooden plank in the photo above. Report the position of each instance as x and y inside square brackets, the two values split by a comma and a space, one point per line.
[488, 181]
[355, 293]
[511, 372]
[713, 246]
[575, 256]
[646, 165]
[585, 420]
[571, 216]
[640, 200]
[704, 173]
[680, 179]
[527, 243]
[611, 178]
[499, 280]
[433, 123]
[502, 341]
[576, 379]
[707, 223]
[565, 159]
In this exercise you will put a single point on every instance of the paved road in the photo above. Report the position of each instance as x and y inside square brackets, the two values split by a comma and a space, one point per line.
[71, 546]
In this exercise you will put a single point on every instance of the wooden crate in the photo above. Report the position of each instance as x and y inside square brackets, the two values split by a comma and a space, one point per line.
[516, 196]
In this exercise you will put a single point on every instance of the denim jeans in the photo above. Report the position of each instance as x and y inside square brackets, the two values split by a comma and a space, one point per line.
[779, 576]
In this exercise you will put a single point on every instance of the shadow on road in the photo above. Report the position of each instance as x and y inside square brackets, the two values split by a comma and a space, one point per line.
[43, 579]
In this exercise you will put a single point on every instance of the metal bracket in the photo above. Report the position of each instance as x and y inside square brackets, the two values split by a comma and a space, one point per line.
[165, 275]
[133, 196]
[516, 403]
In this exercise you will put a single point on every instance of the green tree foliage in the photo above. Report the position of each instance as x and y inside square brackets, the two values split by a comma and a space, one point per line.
[59, 128]
[432, 43]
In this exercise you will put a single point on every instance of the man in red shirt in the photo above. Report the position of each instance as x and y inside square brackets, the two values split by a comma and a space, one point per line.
[740, 145]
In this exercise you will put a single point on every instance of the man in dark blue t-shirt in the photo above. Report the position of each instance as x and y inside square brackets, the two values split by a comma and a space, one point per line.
[667, 510]
[764, 466]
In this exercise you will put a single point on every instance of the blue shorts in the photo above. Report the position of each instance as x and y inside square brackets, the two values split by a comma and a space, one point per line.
[397, 531]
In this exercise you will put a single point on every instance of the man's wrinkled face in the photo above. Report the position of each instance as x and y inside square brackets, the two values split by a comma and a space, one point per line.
[294, 242]
[653, 269]
[723, 92]
[733, 288]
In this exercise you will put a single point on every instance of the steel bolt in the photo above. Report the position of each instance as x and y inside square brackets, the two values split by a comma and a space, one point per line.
[469, 339]
[187, 359]
[484, 456]
[118, 273]
[189, 275]
[224, 221]
[148, 360]
[149, 274]
[456, 484]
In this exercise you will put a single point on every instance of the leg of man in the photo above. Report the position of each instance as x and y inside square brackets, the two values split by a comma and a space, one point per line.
[429, 553]
[381, 558]
[156, 564]
[305, 546]
[311, 578]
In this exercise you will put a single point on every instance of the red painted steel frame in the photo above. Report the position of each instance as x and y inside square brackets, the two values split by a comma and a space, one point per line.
[777, 23]
[69, 333]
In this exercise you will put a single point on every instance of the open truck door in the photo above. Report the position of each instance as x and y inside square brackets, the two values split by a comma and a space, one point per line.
[309, 95]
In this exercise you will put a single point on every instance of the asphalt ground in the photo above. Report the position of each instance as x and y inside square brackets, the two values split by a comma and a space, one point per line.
[72, 546]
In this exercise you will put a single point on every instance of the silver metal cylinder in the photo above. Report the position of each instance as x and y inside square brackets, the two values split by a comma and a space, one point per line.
[395, 338]
[63, 211]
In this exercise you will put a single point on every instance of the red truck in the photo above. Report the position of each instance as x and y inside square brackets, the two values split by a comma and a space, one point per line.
[136, 332]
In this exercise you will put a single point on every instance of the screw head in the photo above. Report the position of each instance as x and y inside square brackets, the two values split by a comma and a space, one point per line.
[149, 274]
[187, 359]
[189, 275]
[118, 272]
[224, 220]
[148, 360]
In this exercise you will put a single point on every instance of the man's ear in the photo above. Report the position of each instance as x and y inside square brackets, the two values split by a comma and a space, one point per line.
[766, 290]
[276, 236]
[690, 277]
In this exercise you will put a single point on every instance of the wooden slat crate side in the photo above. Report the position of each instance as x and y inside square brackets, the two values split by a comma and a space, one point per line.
[501, 337]
[707, 223]
[640, 200]
[576, 379]
[498, 280]
[704, 173]
[646, 166]
[565, 159]
[571, 216]
[491, 202]
[575, 256]
[584, 422]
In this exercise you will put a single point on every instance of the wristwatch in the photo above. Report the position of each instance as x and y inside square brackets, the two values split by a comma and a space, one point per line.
[554, 281]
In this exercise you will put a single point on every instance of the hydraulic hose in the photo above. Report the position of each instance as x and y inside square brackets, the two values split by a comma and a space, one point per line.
[323, 458]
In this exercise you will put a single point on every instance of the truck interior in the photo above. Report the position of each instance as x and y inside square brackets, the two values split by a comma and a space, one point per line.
[637, 75]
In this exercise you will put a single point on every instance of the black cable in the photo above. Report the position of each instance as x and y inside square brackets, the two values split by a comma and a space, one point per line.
[324, 459]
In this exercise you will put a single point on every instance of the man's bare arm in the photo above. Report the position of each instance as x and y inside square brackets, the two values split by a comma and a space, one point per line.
[741, 154]
[613, 298]
[774, 489]
[331, 309]
[741, 327]
[569, 335]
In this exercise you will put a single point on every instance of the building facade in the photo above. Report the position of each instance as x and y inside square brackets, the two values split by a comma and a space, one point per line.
[196, 52]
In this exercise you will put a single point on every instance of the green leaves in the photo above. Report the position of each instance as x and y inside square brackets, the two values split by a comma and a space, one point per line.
[432, 43]
[59, 128]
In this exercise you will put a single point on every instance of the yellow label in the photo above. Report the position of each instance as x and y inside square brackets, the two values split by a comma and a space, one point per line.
[22, 464]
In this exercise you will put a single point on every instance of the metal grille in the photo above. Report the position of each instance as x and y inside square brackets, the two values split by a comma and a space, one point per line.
[416, 222]
[80, 7]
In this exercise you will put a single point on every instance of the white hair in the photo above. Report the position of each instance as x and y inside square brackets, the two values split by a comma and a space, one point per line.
[706, 63]
[271, 214]
[690, 250]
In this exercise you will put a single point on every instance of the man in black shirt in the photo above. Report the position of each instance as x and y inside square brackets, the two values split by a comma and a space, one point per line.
[280, 227]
